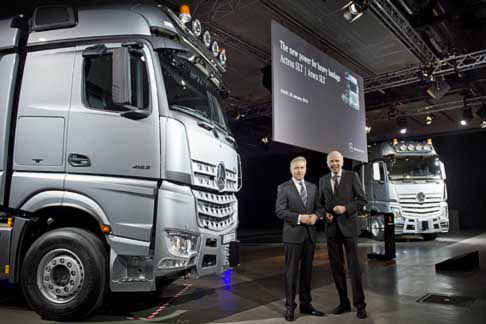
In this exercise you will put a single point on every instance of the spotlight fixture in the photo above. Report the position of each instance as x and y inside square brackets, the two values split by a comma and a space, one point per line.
[426, 73]
[438, 89]
[483, 124]
[265, 140]
[354, 9]
[429, 119]
[402, 125]
[368, 129]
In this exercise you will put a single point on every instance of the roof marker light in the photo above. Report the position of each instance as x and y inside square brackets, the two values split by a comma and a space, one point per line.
[184, 13]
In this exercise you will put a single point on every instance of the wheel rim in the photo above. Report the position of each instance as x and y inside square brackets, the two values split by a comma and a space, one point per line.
[375, 228]
[60, 276]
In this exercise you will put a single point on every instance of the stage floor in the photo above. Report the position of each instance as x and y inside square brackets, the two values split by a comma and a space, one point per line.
[253, 293]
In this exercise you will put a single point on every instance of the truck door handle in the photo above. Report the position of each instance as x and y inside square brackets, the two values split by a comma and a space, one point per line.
[78, 160]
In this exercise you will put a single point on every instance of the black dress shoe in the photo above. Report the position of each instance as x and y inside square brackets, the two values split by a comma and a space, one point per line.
[289, 315]
[340, 309]
[310, 310]
[361, 313]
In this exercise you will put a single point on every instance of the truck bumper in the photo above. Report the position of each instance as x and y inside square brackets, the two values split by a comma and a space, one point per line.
[422, 226]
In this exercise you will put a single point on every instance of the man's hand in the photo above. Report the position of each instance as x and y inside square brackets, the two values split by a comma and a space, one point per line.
[304, 219]
[313, 219]
[329, 217]
[339, 209]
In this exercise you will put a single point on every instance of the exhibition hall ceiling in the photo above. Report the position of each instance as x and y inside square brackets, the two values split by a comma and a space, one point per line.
[373, 45]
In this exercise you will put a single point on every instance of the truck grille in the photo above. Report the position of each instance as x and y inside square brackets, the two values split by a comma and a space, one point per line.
[216, 212]
[411, 206]
[205, 176]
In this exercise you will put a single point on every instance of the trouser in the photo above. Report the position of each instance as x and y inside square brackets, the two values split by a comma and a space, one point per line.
[336, 257]
[298, 254]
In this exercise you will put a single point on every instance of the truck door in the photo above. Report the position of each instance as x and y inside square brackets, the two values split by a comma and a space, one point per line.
[101, 140]
[8, 72]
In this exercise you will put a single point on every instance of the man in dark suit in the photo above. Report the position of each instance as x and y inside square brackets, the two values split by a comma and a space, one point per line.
[296, 206]
[340, 197]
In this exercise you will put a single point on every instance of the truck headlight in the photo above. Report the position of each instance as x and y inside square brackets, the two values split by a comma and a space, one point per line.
[397, 215]
[182, 244]
[444, 215]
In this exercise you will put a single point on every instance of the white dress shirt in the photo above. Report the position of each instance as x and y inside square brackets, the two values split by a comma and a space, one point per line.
[297, 185]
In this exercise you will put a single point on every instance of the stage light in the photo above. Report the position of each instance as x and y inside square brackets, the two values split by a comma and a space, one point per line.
[368, 129]
[429, 119]
[483, 124]
[354, 9]
[265, 140]
[426, 73]
[402, 125]
[438, 89]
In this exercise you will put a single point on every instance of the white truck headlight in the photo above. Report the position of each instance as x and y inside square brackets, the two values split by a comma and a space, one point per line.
[444, 214]
[182, 244]
[397, 215]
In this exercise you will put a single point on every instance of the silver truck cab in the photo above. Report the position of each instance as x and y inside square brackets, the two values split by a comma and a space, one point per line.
[406, 179]
[113, 148]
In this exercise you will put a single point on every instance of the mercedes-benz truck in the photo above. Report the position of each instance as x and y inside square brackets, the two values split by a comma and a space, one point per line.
[117, 166]
[406, 179]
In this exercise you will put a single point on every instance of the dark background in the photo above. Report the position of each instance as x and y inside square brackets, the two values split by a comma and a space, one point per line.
[265, 167]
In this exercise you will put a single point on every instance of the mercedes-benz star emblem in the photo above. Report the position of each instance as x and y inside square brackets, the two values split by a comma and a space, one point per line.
[221, 177]
[421, 197]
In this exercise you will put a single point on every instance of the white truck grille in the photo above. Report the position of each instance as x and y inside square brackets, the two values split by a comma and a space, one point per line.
[413, 207]
[216, 212]
[205, 176]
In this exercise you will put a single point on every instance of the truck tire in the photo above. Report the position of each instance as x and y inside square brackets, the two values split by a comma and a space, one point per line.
[377, 227]
[64, 274]
[429, 237]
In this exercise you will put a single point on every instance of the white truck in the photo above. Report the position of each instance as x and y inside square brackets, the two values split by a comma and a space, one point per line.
[117, 166]
[406, 179]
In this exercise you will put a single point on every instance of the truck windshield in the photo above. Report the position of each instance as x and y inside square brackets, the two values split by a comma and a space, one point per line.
[414, 167]
[190, 91]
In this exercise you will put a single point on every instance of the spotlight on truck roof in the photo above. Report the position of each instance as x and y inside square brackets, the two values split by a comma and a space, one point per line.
[207, 39]
[222, 56]
[215, 48]
[196, 27]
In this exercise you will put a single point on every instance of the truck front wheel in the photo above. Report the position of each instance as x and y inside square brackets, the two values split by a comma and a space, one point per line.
[63, 274]
[377, 227]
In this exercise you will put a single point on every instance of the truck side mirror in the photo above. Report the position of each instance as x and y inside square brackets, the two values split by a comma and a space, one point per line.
[121, 81]
[442, 170]
[376, 172]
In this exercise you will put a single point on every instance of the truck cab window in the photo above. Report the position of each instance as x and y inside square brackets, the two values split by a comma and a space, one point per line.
[189, 90]
[98, 81]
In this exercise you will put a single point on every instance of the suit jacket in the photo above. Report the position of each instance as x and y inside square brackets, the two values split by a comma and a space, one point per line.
[349, 194]
[288, 207]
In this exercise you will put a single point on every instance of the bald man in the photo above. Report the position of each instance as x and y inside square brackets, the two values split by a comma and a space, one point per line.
[340, 197]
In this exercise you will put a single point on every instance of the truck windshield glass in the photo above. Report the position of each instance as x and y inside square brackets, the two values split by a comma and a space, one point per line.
[414, 167]
[190, 91]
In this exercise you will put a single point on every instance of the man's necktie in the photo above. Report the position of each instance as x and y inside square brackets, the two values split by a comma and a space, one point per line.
[303, 193]
[336, 183]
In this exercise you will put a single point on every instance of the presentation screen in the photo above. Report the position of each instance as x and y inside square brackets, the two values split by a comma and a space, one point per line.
[317, 102]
